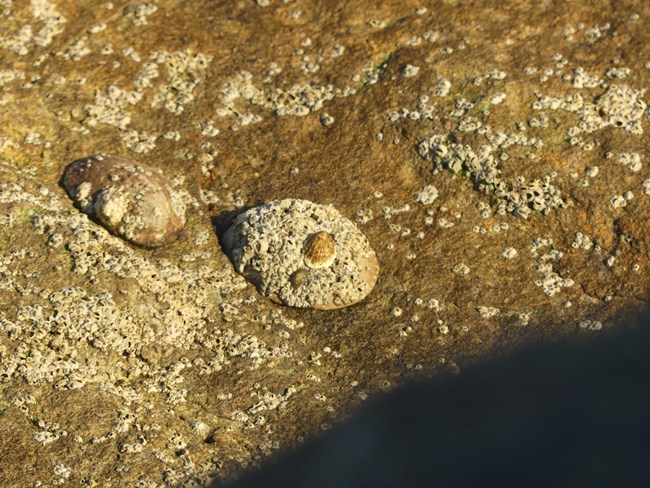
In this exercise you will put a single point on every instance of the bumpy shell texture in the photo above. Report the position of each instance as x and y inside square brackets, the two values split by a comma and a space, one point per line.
[132, 200]
[302, 254]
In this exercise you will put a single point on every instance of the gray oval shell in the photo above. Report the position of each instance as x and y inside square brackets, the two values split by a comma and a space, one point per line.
[132, 200]
[266, 245]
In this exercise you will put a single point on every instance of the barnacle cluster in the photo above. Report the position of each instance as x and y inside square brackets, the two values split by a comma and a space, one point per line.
[302, 254]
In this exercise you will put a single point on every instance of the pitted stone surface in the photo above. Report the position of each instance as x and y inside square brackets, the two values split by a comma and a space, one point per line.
[124, 366]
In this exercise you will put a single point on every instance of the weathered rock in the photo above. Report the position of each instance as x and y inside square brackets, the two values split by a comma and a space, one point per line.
[323, 101]
[132, 200]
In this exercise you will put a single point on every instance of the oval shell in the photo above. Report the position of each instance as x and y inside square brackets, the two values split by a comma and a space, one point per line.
[302, 254]
[319, 250]
[132, 200]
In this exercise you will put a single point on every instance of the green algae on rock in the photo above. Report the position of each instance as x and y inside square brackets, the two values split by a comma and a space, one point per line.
[132, 200]
[302, 254]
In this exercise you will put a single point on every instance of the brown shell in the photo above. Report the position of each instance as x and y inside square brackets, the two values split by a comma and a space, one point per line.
[302, 254]
[319, 250]
[132, 200]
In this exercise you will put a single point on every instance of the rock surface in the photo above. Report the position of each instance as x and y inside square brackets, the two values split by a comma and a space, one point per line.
[495, 154]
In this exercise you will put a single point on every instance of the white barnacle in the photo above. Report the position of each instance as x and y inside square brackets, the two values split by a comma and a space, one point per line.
[509, 253]
[110, 205]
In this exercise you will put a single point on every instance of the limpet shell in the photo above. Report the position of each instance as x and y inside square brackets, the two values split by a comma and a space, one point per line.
[302, 254]
[319, 250]
[132, 200]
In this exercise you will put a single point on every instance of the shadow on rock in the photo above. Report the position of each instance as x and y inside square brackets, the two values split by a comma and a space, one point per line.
[222, 222]
[572, 413]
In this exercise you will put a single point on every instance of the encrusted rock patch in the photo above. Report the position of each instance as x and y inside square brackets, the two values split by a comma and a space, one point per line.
[302, 254]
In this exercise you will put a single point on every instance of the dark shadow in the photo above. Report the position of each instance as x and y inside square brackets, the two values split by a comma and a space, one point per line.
[566, 414]
[65, 175]
[222, 221]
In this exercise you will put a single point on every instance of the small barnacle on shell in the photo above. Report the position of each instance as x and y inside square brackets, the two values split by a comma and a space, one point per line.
[302, 254]
[132, 200]
[298, 277]
[319, 250]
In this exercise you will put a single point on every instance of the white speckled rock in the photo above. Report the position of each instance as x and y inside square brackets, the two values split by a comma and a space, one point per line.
[302, 254]
[132, 200]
